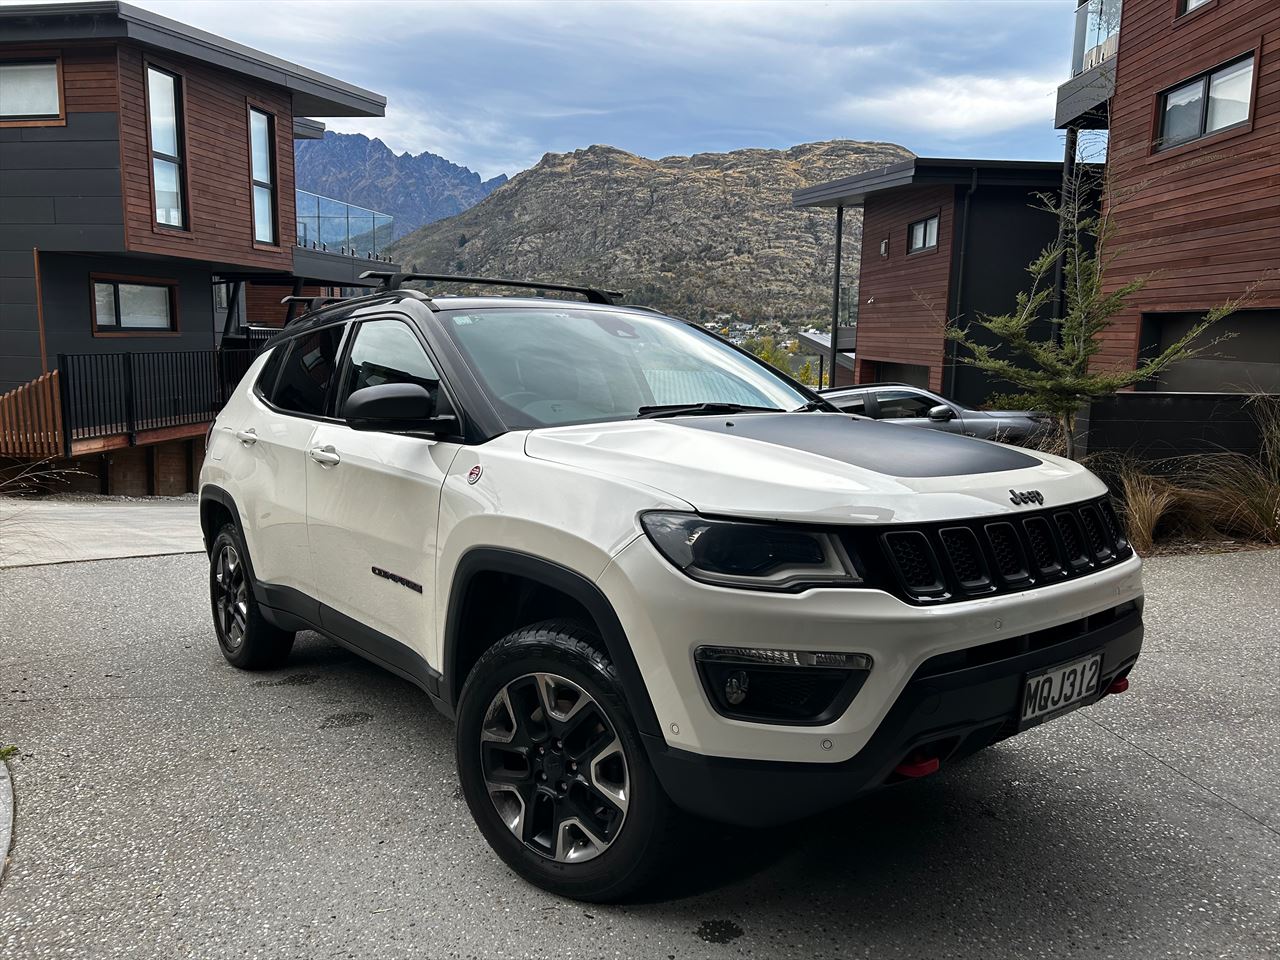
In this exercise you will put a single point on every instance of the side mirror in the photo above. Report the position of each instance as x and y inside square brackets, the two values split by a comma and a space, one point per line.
[394, 407]
[941, 413]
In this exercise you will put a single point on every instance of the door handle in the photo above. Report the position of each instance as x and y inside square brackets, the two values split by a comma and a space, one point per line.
[247, 437]
[325, 456]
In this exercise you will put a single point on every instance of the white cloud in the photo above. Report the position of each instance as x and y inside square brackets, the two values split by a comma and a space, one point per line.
[961, 106]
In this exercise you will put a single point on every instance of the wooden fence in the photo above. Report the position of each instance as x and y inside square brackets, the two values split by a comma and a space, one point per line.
[31, 419]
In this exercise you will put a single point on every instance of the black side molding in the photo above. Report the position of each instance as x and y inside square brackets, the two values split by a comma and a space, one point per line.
[569, 582]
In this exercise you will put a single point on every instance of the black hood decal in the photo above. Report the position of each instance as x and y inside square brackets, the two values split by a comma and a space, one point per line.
[887, 448]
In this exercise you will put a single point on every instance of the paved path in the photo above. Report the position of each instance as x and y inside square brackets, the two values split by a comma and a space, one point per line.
[171, 806]
[62, 529]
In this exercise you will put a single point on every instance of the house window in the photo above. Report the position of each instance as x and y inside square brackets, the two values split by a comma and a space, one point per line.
[164, 113]
[262, 162]
[1211, 102]
[1186, 6]
[922, 235]
[29, 90]
[120, 305]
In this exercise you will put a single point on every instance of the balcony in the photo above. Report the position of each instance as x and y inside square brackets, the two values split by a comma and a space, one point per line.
[97, 402]
[1097, 34]
[1082, 100]
[335, 226]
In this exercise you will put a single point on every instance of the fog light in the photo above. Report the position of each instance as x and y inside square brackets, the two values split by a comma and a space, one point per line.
[780, 686]
[735, 687]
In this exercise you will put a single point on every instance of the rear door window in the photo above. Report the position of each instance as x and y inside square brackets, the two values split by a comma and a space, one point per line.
[307, 371]
[903, 405]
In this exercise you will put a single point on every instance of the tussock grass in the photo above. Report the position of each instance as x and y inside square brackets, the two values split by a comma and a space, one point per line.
[1207, 496]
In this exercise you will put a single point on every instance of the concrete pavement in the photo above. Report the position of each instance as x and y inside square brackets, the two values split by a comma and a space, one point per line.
[171, 806]
[65, 529]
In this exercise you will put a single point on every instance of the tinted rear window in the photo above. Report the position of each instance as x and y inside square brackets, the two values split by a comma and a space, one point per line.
[306, 372]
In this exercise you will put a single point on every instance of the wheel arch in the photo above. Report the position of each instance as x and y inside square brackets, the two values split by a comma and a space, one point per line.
[480, 563]
[216, 507]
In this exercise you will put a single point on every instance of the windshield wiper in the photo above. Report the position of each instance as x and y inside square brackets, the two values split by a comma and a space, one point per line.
[811, 406]
[693, 409]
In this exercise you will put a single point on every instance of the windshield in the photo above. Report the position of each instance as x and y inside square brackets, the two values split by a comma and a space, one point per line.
[545, 366]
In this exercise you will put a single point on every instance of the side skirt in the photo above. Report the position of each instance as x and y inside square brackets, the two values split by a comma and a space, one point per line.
[291, 609]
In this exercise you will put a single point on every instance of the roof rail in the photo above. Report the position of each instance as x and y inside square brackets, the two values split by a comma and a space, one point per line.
[312, 303]
[864, 386]
[392, 281]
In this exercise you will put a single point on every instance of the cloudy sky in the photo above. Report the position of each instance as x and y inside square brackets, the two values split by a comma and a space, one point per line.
[494, 85]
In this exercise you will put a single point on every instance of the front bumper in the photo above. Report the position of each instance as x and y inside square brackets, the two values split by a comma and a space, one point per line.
[941, 712]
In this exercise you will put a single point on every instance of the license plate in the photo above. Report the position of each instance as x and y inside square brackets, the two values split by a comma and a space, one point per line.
[1061, 688]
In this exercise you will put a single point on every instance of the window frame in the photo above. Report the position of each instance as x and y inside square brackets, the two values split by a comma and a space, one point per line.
[252, 107]
[180, 135]
[347, 372]
[1204, 77]
[1181, 11]
[41, 120]
[119, 330]
[937, 233]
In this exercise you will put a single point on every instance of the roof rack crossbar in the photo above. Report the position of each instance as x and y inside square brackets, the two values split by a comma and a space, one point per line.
[391, 281]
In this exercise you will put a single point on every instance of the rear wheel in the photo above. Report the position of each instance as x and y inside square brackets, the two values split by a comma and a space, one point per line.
[553, 769]
[245, 637]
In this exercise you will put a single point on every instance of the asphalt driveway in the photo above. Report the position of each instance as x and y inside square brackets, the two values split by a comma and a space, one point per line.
[171, 806]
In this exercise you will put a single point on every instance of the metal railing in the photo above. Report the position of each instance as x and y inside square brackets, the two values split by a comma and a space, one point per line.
[110, 394]
[340, 227]
[1097, 34]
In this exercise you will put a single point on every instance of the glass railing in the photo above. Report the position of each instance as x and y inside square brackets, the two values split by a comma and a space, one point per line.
[340, 227]
[1097, 34]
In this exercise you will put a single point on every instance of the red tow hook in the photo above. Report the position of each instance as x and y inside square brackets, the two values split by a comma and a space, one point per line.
[918, 766]
[1119, 685]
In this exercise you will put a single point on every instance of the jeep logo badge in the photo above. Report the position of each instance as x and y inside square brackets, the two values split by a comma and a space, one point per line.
[1026, 496]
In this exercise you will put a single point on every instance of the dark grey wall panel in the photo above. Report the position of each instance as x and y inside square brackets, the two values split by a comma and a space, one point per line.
[17, 263]
[27, 155]
[71, 236]
[68, 182]
[17, 290]
[18, 210]
[20, 314]
[88, 210]
[68, 321]
[79, 126]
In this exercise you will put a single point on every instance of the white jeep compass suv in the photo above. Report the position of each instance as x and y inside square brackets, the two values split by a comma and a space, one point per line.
[648, 574]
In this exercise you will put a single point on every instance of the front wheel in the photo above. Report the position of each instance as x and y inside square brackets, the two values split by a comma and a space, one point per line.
[553, 769]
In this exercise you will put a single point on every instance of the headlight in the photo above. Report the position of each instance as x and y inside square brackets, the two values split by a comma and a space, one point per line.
[758, 556]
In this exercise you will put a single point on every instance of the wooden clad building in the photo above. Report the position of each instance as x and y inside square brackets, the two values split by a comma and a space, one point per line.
[147, 222]
[1190, 92]
[942, 241]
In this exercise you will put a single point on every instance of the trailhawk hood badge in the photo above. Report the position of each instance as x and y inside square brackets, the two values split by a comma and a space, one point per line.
[1026, 496]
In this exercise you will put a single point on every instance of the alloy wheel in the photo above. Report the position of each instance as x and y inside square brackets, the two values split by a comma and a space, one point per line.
[554, 767]
[231, 597]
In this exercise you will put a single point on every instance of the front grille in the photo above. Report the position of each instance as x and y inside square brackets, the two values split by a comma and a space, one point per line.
[958, 560]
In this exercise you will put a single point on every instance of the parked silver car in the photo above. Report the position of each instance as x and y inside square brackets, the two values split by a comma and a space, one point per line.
[916, 407]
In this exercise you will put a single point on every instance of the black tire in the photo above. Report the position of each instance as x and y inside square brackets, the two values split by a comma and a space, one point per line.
[245, 637]
[637, 836]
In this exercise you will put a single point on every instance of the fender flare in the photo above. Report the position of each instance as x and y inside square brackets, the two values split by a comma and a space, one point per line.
[223, 498]
[479, 560]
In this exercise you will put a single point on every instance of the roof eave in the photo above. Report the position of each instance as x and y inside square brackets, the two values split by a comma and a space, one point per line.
[314, 94]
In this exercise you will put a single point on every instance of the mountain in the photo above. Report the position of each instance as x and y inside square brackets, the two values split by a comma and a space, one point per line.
[413, 189]
[699, 236]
